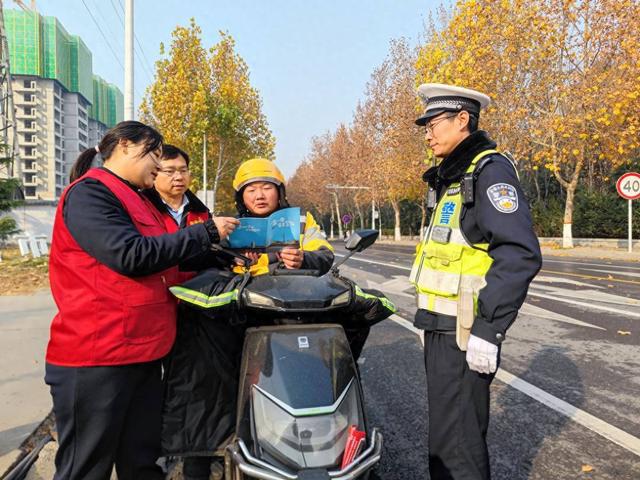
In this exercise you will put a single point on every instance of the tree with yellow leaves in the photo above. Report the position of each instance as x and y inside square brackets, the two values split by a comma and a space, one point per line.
[200, 94]
[563, 75]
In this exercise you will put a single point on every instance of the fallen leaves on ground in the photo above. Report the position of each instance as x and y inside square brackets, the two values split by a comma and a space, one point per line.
[587, 469]
[22, 275]
[624, 332]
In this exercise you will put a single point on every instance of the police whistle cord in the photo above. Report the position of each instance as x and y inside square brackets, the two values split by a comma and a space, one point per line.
[355, 443]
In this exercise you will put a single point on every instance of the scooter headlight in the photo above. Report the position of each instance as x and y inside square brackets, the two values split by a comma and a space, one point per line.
[309, 437]
[342, 299]
[254, 299]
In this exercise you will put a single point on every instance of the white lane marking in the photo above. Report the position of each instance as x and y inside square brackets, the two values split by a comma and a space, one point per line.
[588, 294]
[568, 281]
[384, 264]
[396, 286]
[616, 272]
[533, 310]
[535, 294]
[608, 431]
[591, 306]
[412, 254]
[408, 325]
[592, 264]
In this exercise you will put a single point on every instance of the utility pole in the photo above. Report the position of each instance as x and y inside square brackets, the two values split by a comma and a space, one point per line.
[128, 61]
[8, 136]
[204, 170]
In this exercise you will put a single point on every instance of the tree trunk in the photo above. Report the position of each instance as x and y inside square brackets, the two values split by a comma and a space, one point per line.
[396, 211]
[567, 233]
[423, 217]
[359, 211]
[570, 187]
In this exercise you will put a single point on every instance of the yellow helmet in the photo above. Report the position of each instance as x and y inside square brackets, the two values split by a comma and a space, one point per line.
[257, 170]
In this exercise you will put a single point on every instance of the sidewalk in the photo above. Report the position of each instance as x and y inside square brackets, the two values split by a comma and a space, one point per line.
[24, 398]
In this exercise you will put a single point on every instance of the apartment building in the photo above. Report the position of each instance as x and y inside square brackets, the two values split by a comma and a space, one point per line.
[61, 107]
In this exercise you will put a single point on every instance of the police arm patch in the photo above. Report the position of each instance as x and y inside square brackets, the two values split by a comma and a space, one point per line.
[503, 197]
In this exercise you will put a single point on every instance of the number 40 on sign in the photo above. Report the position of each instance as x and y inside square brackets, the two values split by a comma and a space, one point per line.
[628, 186]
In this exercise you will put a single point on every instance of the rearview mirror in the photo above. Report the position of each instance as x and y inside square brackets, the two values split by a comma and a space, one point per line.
[361, 239]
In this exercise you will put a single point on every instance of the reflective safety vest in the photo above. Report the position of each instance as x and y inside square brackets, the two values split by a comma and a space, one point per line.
[447, 266]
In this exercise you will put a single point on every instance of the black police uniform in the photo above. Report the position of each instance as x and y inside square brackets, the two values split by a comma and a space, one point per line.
[459, 397]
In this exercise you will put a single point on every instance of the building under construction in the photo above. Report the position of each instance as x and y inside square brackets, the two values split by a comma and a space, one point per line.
[61, 107]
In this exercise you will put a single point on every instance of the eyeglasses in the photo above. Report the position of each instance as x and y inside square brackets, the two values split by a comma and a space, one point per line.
[171, 172]
[431, 125]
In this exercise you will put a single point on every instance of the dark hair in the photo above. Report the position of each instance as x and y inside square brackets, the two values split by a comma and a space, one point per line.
[473, 122]
[131, 130]
[169, 152]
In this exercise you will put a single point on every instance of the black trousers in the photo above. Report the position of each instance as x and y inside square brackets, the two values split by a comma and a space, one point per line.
[106, 416]
[458, 411]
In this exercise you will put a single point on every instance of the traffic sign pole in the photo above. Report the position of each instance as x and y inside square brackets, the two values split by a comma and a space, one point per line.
[630, 242]
[628, 186]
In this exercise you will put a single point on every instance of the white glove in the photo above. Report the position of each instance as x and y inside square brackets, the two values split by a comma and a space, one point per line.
[482, 356]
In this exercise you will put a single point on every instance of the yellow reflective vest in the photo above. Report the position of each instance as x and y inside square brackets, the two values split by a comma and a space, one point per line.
[447, 266]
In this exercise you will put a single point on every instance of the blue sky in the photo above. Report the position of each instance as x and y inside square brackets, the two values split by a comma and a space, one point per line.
[310, 59]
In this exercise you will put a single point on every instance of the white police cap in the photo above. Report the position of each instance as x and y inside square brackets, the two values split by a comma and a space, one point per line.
[438, 98]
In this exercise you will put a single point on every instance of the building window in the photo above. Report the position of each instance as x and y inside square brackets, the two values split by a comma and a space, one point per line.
[29, 137]
[28, 124]
[30, 192]
[83, 138]
[26, 83]
[58, 154]
[30, 178]
[29, 151]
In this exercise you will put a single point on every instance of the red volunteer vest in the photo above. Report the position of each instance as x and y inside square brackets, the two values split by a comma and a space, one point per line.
[105, 318]
[171, 226]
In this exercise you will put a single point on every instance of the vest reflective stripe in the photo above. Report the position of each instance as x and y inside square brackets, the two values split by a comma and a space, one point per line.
[446, 262]
[433, 303]
[388, 304]
[201, 300]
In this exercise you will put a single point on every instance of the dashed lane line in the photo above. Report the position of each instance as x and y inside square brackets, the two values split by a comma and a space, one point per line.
[590, 306]
[596, 425]
[591, 277]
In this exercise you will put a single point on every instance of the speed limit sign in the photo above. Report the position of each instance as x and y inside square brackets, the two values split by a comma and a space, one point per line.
[628, 186]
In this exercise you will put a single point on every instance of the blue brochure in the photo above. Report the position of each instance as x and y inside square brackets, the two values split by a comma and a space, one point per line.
[280, 228]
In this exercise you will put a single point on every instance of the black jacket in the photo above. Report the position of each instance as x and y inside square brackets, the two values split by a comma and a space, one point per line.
[513, 245]
[102, 227]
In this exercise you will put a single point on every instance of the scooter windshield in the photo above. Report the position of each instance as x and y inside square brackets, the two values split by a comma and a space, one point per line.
[300, 384]
[303, 366]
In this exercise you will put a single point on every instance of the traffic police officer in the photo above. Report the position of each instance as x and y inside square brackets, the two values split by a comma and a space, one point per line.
[471, 275]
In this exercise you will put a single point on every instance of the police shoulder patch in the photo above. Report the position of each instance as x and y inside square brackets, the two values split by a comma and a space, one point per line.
[503, 197]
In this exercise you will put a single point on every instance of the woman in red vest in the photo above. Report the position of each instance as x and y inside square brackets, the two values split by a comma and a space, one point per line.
[111, 264]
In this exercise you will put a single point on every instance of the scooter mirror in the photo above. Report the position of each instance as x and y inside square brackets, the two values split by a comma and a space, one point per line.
[361, 239]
